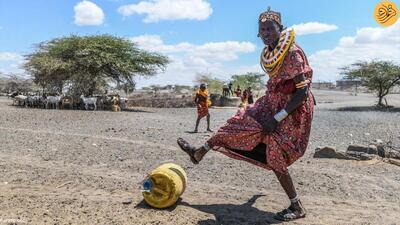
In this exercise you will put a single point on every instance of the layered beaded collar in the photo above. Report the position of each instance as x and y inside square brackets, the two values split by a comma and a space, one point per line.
[271, 61]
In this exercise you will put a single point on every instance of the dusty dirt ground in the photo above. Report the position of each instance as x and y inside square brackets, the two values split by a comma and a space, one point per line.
[78, 167]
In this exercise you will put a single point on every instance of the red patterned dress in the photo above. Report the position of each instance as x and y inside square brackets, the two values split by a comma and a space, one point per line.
[241, 137]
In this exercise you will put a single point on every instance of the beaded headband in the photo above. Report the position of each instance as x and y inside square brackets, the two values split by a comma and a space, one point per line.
[270, 15]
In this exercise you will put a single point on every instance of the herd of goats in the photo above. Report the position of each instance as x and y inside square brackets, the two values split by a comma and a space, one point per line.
[101, 102]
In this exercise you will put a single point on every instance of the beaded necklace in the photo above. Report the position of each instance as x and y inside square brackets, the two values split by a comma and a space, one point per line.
[271, 61]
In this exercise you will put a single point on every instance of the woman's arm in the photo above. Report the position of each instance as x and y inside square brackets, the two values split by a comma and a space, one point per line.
[299, 96]
[196, 99]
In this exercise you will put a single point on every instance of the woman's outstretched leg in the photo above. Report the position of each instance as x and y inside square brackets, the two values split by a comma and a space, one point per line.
[196, 154]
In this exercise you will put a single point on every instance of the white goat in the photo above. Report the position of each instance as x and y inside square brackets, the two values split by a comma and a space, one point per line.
[53, 101]
[89, 101]
[20, 100]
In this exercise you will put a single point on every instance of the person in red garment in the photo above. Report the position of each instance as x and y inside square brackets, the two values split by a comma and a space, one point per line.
[273, 132]
[238, 91]
[202, 102]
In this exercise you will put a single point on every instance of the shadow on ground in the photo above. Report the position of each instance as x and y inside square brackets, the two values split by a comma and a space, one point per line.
[143, 205]
[199, 132]
[235, 214]
[227, 213]
[366, 109]
[137, 110]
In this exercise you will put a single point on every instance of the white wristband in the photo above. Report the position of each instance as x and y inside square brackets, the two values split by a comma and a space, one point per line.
[281, 115]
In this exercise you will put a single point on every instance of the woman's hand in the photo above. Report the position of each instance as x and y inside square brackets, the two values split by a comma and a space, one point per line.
[269, 125]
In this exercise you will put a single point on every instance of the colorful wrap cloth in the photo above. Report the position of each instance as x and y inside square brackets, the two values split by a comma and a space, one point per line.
[241, 134]
[203, 102]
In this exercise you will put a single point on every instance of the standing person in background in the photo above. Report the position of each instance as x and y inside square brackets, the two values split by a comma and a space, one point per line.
[244, 97]
[238, 92]
[230, 88]
[250, 98]
[225, 90]
[202, 102]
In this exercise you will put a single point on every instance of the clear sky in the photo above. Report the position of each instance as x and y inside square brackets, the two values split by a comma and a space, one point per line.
[214, 36]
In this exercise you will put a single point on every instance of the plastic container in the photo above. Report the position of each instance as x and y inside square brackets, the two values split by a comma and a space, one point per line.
[164, 185]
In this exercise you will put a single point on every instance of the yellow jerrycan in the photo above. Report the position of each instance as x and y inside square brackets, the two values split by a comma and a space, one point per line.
[164, 185]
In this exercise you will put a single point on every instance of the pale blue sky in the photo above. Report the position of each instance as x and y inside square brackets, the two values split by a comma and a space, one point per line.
[216, 36]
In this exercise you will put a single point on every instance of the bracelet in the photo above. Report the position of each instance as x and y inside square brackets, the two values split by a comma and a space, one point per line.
[281, 115]
[302, 84]
[295, 199]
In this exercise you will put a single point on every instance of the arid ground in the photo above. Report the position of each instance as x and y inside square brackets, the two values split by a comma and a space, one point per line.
[85, 167]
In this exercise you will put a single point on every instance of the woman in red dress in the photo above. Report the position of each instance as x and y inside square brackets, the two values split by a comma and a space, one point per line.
[273, 132]
[202, 102]
[238, 91]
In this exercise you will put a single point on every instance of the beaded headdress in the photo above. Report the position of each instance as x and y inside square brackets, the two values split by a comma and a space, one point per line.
[271, 16]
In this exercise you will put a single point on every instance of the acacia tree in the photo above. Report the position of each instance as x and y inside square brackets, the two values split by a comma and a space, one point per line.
[214, 84]
[14, 83]
[87, 64]
[253, 80]
[378, 76]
